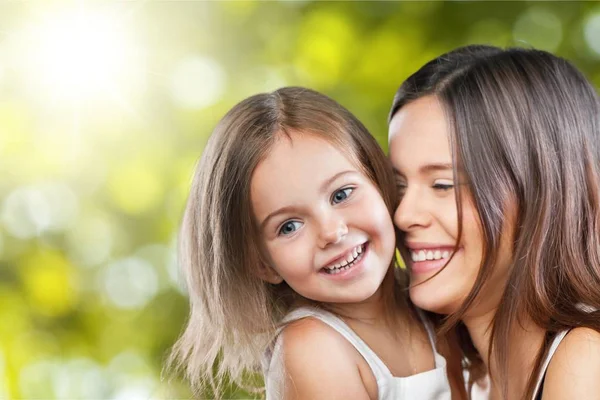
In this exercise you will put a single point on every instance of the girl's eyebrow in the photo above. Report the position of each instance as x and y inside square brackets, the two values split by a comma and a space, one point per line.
[275, 213]
[329, 181]
[322, 189]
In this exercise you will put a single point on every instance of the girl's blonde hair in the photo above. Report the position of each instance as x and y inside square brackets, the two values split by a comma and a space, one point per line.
[234, 314]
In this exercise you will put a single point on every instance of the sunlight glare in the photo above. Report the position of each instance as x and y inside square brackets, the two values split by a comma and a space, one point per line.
[77, 54]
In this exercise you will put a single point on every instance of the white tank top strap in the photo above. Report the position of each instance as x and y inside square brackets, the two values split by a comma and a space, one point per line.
[440, 361]
[555, 343]
[379, 369]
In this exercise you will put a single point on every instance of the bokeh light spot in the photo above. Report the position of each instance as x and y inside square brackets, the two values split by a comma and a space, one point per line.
[32, 210]
[91, 241]
[130, 283]
[591, 31]
[47, 278]
[36, 380]
[135, 187]
[198, 82]
[81, 378]
[539, 28]
[325, 38]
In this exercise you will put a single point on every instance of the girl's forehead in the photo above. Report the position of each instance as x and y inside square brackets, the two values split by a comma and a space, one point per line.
[297, 168]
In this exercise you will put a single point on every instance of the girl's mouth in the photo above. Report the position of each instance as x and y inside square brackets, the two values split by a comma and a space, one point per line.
[352, 258]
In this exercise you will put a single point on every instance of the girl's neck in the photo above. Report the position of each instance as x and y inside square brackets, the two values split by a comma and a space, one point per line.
[525, 341]
[372, 309]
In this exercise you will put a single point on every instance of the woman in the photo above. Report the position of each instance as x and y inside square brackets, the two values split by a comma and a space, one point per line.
[497, 154]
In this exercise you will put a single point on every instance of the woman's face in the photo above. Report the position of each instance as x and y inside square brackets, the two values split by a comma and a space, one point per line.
[427, 214]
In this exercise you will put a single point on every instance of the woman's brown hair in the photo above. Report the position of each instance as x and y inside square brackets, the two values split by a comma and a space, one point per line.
[525, 132]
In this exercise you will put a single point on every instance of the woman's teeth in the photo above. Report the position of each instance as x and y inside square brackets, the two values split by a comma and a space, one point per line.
[423, 255]
[351, 259]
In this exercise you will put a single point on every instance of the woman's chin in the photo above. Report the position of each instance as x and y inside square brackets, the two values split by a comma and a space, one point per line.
[438, 301]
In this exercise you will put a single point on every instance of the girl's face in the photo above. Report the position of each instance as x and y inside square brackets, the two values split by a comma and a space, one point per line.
[326, 228]
[427, 214]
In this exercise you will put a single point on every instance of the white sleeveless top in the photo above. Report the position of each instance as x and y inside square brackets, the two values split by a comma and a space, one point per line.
[432, 384]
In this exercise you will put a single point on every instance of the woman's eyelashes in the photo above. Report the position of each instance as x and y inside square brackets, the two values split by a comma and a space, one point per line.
[400, 185]
[401, 188]
[443, 184]
[438, 185]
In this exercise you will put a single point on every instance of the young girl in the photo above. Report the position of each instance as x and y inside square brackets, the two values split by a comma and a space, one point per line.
[287, 246]
[497, 154]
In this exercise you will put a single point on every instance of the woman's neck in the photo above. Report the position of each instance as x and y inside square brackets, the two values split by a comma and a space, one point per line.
[525, 341]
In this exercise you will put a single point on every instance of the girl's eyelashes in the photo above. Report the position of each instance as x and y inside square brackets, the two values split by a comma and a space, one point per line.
[341, 195]
[289, 227]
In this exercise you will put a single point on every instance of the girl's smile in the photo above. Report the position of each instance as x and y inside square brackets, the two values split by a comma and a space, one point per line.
[349, 265]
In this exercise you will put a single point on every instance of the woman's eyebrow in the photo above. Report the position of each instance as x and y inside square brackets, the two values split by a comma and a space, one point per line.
[428, 168]
[435, 167]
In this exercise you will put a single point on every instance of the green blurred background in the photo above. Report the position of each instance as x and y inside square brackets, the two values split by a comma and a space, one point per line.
[105, 108]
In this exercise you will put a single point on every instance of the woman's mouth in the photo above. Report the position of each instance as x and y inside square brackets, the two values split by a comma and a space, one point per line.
[430, 259]
[429, 254]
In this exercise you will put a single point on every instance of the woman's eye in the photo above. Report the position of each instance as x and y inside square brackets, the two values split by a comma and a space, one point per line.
[289, 227]
[341, 195]
[401, 187]
[443, 185]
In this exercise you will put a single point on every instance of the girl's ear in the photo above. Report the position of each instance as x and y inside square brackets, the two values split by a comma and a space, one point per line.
[268, 274]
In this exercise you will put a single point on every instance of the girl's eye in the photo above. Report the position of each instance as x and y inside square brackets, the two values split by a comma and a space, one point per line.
[290, 227]
[341, 195]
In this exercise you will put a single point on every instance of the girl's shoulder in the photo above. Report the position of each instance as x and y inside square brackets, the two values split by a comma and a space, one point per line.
[315, 356]
[312, 338]
[574, 370]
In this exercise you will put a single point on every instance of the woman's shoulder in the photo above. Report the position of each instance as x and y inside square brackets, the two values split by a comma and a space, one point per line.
[574, 371]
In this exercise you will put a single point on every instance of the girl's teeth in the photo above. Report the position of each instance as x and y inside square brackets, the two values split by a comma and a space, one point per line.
[445, 254]
[429, 255]
[437, 255]
[345, 264]
[422, 255]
